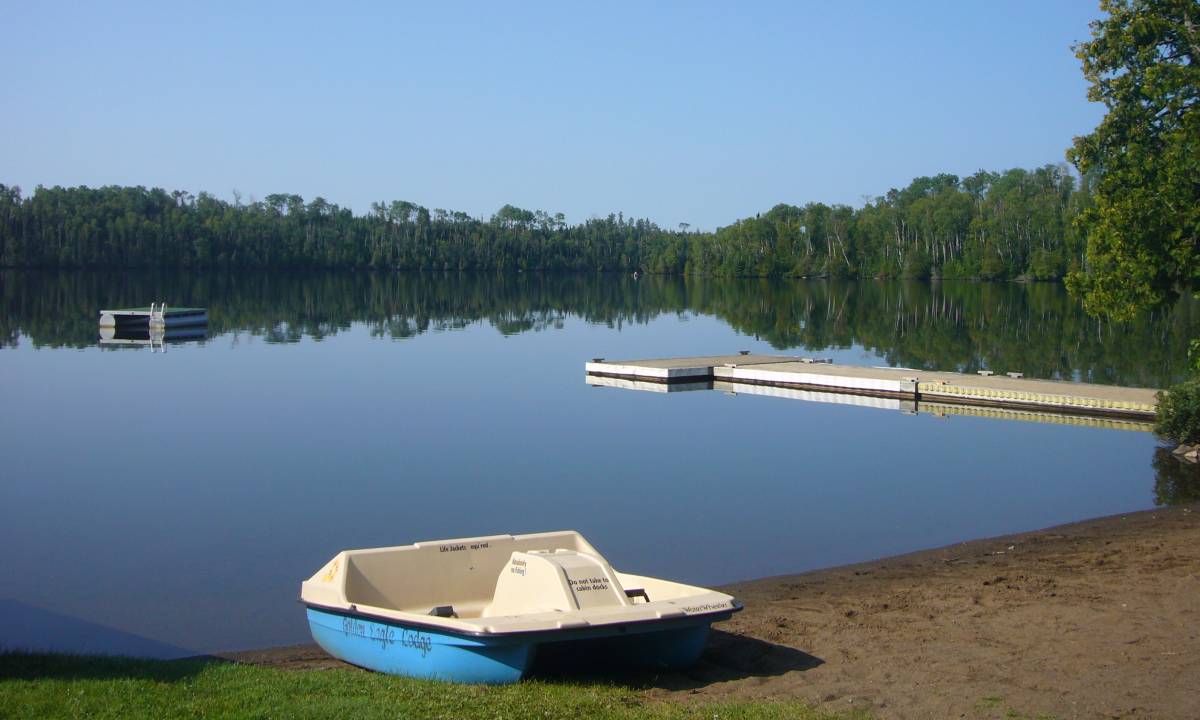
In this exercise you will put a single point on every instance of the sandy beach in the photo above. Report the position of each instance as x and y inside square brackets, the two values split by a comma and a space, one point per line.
[1097, 619]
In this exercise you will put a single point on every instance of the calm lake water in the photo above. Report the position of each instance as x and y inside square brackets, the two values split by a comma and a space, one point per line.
[171, 503]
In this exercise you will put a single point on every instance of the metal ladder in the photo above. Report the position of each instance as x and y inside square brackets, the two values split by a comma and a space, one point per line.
[159, 317]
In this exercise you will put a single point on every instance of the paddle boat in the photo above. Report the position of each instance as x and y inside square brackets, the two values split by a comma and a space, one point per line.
[475, 610]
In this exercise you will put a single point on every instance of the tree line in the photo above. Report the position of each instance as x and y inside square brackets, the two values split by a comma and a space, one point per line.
[1013, 224]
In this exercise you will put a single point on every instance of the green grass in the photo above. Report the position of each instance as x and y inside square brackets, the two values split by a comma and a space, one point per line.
[59, 686]
[994, 702]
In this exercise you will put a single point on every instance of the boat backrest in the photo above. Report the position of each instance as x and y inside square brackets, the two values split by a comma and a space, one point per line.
[555, 580]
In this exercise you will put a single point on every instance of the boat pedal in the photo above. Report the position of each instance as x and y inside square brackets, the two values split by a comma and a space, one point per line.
[444, 611]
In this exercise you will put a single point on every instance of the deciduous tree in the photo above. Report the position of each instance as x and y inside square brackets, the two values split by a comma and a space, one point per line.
[1143, 225]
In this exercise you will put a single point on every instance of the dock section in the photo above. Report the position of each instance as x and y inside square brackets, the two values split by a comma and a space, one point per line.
[672, 370]
[154, 326]
[985, 390]
[154, 315]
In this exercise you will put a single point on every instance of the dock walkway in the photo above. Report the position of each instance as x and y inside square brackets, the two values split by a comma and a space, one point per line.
[987, 390]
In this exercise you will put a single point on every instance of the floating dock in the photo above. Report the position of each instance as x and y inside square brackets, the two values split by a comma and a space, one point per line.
[1005, 393]
[160, 315]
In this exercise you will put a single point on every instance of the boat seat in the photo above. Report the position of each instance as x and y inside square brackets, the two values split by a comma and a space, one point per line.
[444, 611]
[632, 593]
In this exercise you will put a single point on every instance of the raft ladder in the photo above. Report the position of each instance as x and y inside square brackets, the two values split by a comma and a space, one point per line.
[158, 317]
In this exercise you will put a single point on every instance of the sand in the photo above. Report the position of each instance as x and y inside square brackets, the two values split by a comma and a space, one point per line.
[1099, 619]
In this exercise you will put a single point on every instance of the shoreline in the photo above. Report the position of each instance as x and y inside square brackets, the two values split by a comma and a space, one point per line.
[1097, 618]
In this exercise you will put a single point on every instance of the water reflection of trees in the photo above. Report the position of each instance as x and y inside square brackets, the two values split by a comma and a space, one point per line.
[1175, 482]
[1032, 328]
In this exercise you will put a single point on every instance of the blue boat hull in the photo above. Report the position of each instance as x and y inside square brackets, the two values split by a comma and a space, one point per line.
[424, 652]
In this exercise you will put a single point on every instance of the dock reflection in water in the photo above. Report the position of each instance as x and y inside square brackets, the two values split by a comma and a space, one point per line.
[154, 337]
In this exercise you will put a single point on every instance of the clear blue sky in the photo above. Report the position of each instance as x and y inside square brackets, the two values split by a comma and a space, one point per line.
[691, 112]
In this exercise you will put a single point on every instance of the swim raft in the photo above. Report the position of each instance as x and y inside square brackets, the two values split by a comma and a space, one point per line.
[156, 315]
[476, 610]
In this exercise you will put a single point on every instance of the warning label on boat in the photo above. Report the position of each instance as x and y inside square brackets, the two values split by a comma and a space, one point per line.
[593, 583]
[457, 547]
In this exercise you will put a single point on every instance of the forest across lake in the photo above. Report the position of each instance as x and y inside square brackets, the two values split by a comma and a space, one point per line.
[989, 225]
